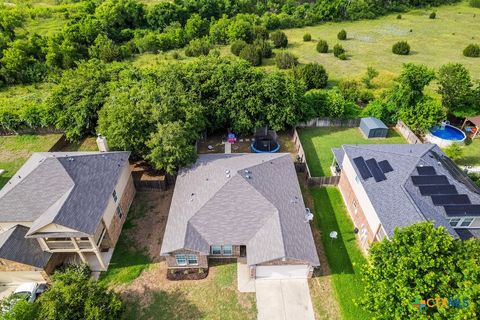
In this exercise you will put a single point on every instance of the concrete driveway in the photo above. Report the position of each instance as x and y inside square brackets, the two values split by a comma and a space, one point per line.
[284, 299]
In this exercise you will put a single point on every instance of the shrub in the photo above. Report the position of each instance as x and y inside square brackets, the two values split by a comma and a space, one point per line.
[260, 32]
[432, 15]
[342, 56]
[252, 54]
[472, 51]
[338, 50]
[454, 151]
[279, 39]
[401, 48]
[198, 47]
[342, 35]
[369, 76]
[307, 37]
[314, 75]
[237, 46]
[475, 3]
[285, 60]
[322, 46]
[264, 47]
[399, 17]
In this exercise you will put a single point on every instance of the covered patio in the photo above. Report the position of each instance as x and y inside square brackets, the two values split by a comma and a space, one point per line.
[471, 126]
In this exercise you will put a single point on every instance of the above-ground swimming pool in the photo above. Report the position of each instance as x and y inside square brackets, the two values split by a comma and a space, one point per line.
[445, 135]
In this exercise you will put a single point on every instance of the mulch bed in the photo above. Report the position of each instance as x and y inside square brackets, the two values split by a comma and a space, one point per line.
[187, 274]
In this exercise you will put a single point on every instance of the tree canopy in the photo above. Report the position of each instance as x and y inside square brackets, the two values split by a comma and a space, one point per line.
[426, 262]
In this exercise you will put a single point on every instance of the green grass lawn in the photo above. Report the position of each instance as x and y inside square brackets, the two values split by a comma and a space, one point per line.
[471, 154]
[318, 142]
[344, 256]
[15, 150]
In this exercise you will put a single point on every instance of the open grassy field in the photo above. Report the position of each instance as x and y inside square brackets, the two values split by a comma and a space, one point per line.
[15, 150]
[318, 142]
[344, 256]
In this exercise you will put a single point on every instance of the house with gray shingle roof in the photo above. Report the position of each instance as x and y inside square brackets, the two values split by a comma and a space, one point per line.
[246, 206]
[386, 186]
[63, 207]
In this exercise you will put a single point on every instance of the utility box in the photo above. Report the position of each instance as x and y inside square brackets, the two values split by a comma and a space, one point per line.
[102, 143]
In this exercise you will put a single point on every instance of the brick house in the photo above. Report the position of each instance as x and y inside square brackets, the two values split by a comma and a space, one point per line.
[246, 206]
[386, 186]
[63, 208]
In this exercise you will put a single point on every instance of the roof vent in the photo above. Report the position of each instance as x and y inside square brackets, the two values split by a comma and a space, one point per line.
[70, 159]
[248, 176]
[227, 171]
[228, 175]
[247, 172]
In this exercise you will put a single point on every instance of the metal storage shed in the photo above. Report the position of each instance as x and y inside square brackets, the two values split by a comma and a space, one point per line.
[373, 128]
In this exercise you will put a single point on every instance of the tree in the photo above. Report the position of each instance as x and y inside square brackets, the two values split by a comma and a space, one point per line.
[410, 84]
[252, 54]
[105, 49]
[369, 76]
[219, 30]
[456, 88]
[163, 14]
[285, 60]
[74, 295]
[196, 27]
[401, 48]
[237, 47]
[279, 39]
[241, 29]
[117, 15]
[342, 35]
[20, 310]
[264, 47]
[424, 115]
[322, 46]
[421, 261]
[454, 151]
[314, 75]
[171, 146]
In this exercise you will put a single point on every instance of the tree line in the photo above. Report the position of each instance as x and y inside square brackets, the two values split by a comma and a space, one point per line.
[113, 30]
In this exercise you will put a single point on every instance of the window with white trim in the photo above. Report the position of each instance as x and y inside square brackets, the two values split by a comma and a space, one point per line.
[466, 222]
[181, 259]
[192, 259]
[114, 195]
[454, 222]
[119, 212]
[227, 250]
[216, 250]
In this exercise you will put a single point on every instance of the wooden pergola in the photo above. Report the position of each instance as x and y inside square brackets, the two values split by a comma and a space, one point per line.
[475, 121]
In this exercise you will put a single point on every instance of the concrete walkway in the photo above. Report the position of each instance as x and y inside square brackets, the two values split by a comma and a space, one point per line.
[284, 299]
[244, 282]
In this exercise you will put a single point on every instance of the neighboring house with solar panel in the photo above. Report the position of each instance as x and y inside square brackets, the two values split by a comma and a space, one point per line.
[243, 206]
[386, 186]
[63, 208]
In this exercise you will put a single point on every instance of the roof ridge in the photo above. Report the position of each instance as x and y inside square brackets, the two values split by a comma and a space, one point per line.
[362, 146]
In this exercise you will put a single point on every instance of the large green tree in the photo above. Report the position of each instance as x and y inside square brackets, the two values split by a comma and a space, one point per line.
[424, 115]
[426, 262]
[456, 88]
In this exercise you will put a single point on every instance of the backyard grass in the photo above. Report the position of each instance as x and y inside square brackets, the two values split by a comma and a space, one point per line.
[344, 256]
[15, 150]
[318, 142]
[86, 144]
[471, 154]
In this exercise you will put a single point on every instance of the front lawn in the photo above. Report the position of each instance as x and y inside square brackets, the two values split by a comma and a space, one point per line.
[344, 256]
[318, 144]
[15, 150]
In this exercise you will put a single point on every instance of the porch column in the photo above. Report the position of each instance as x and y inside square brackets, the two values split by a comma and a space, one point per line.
[97, 253]
[77, 248]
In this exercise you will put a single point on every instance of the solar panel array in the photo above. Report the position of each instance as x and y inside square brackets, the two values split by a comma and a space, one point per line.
[443, 193]
[371, 168]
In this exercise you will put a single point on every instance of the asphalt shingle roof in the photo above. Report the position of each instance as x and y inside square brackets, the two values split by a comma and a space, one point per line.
[14, 247]
[69, 189]
[396, 200]
[264, 211]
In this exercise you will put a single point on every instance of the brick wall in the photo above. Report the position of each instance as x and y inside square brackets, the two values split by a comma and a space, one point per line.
[356, 214]
[172, 262]
[115, 228]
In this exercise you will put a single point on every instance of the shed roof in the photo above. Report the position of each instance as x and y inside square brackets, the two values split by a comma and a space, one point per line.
[475, 120]
[373, 123]
[264, 211]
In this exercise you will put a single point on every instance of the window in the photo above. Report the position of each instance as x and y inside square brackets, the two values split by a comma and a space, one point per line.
[216, 249]
[454, 222]
[227, 250]
[119, 212]
[466, 222]
[114, 195]
[181, 260]
[192, 259]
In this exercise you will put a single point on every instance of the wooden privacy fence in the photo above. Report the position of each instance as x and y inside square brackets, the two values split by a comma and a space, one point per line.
[323, 181]
[329, 122]
[300, 153]
[407, 133]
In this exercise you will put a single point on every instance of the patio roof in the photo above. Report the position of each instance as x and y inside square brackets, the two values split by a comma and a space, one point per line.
[475, 120]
